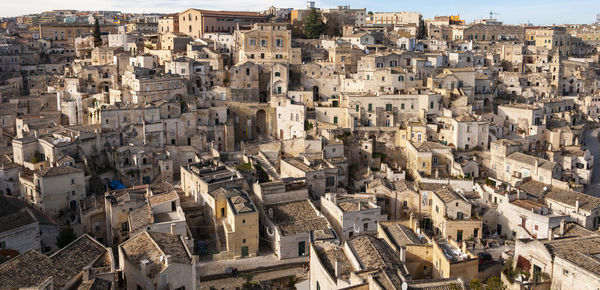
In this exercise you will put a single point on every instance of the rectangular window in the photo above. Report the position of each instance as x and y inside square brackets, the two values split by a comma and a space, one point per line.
[263, 42]
[279, 42]
[388, 107]
[370, 107]
[357, 108]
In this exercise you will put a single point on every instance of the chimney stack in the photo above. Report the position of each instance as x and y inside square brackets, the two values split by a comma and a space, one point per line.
[562, 227]
[144, 265]
[550, 234]
[577, 205]
[337, 269]
[168, 260]
[173, 230]
[403, 254]
[86, 273]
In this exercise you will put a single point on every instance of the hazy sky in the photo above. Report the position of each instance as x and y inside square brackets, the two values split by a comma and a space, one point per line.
[544, 12]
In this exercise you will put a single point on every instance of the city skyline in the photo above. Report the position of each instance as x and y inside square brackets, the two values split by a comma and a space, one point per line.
[548, 13]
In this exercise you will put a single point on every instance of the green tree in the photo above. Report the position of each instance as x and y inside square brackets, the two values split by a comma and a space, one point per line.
[97, 36]
[495, 283]
[422, 28]
[65, 237]
[314, 25]
[475, 285]
[335, 22]
[298, 29]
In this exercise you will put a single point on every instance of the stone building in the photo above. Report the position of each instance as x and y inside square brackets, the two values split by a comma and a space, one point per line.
[54, 189]
[153, 260]
[196, 22]
[265, 43]
[84, 260]
[352, 215]
[563, 263]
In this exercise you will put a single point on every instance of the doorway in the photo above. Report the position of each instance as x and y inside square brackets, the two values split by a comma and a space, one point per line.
[301, 248]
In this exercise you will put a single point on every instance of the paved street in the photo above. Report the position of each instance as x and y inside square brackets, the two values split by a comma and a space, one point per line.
[236, 282]
[219, 267]
[591, 142]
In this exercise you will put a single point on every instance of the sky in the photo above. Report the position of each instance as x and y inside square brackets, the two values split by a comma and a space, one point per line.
[537, 12]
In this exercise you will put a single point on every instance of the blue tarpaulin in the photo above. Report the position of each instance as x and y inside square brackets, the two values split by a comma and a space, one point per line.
[115, 184]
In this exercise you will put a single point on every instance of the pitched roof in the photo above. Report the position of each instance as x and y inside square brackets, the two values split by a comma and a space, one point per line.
[465, 118]
[296, 217]
[400, 235]
[534, 188]
[32, 268]
[163, 197]
[239, 200]
[436, 284]
[29, 269]
[586, 202]
[447, 195]
[374, 253]
[524, 158]
[96, 284]
[582, 251]
[59, 170]
[428, 146]
[70, 260]
[13, 214]
[155, 247]
[329, 254]
[141, 217]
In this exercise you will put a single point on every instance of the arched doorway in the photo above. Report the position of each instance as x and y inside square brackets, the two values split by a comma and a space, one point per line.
[261, 121]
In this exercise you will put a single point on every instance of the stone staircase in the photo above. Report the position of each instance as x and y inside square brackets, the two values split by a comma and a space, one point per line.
[262, 160]
[220, 234]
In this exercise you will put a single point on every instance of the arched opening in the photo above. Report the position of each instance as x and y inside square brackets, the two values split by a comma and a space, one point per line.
[278, 88]
[261, 121]
[315, 90]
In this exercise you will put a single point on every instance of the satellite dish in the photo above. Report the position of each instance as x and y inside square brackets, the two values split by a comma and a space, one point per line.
[545, 188]
[404, 285]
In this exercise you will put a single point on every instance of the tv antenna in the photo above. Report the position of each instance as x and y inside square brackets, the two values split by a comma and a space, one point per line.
[492, 13]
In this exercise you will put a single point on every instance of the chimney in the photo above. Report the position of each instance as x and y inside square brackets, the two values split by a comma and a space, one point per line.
[403, 254]
[577, 205]
[562, 227]
[550, 234]
[168, 260]
[144, 265]
[86, 274]
[337, 269]
[173, 230]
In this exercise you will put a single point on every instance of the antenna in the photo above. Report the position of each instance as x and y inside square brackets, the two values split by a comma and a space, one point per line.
[492, 13]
